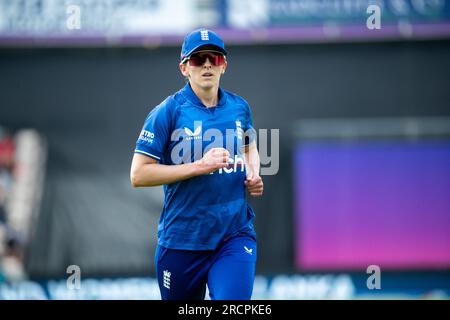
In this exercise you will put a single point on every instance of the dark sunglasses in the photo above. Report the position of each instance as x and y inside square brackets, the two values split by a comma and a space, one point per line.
[198, 59]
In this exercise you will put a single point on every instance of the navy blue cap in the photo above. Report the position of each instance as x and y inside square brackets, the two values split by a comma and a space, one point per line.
[199, 38]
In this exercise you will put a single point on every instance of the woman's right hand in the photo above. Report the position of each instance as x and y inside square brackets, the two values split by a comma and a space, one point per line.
[214, 159]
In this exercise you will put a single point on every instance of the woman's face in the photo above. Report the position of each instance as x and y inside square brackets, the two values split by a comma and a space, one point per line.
[204, 69]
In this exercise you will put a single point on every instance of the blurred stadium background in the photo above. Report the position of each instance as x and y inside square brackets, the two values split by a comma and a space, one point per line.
[364, 142]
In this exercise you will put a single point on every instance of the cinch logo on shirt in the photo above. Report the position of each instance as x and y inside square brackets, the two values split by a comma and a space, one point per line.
[147, 136]
[193, 135]
[236, 164]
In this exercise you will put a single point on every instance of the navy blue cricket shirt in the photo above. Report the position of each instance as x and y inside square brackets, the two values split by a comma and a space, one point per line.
[202, 211]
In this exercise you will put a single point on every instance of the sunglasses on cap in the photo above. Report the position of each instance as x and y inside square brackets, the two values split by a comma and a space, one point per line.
[199, 58]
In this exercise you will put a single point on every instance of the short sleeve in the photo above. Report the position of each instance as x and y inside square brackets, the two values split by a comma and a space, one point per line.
[155, 134]
[249, 130]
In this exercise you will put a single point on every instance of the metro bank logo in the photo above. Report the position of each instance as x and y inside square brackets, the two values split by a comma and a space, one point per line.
[147, 136]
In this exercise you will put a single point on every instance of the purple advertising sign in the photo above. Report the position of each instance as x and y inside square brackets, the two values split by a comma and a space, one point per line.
[381, 202]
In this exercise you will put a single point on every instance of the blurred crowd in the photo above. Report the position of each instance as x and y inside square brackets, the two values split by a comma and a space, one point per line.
[11, 244]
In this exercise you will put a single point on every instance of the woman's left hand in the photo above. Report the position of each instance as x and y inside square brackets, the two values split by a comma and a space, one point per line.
[255, 185]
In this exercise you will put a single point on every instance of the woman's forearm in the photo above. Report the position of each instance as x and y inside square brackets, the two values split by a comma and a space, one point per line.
[146, 172]
[252, 159]
[155, 174]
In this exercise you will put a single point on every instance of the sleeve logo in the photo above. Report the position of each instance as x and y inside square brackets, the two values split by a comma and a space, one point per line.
[146, 136]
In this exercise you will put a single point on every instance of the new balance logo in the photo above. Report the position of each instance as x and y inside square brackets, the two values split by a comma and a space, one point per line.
[193, 135]
[166, 279]
[204, 35]
[249, 251]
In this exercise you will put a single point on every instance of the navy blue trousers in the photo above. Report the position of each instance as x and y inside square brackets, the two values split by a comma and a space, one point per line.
[229, 271]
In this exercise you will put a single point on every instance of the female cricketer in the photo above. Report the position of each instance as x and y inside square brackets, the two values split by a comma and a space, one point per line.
[200, 144]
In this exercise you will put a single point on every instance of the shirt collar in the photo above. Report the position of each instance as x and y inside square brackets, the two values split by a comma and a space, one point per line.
[192, 97]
